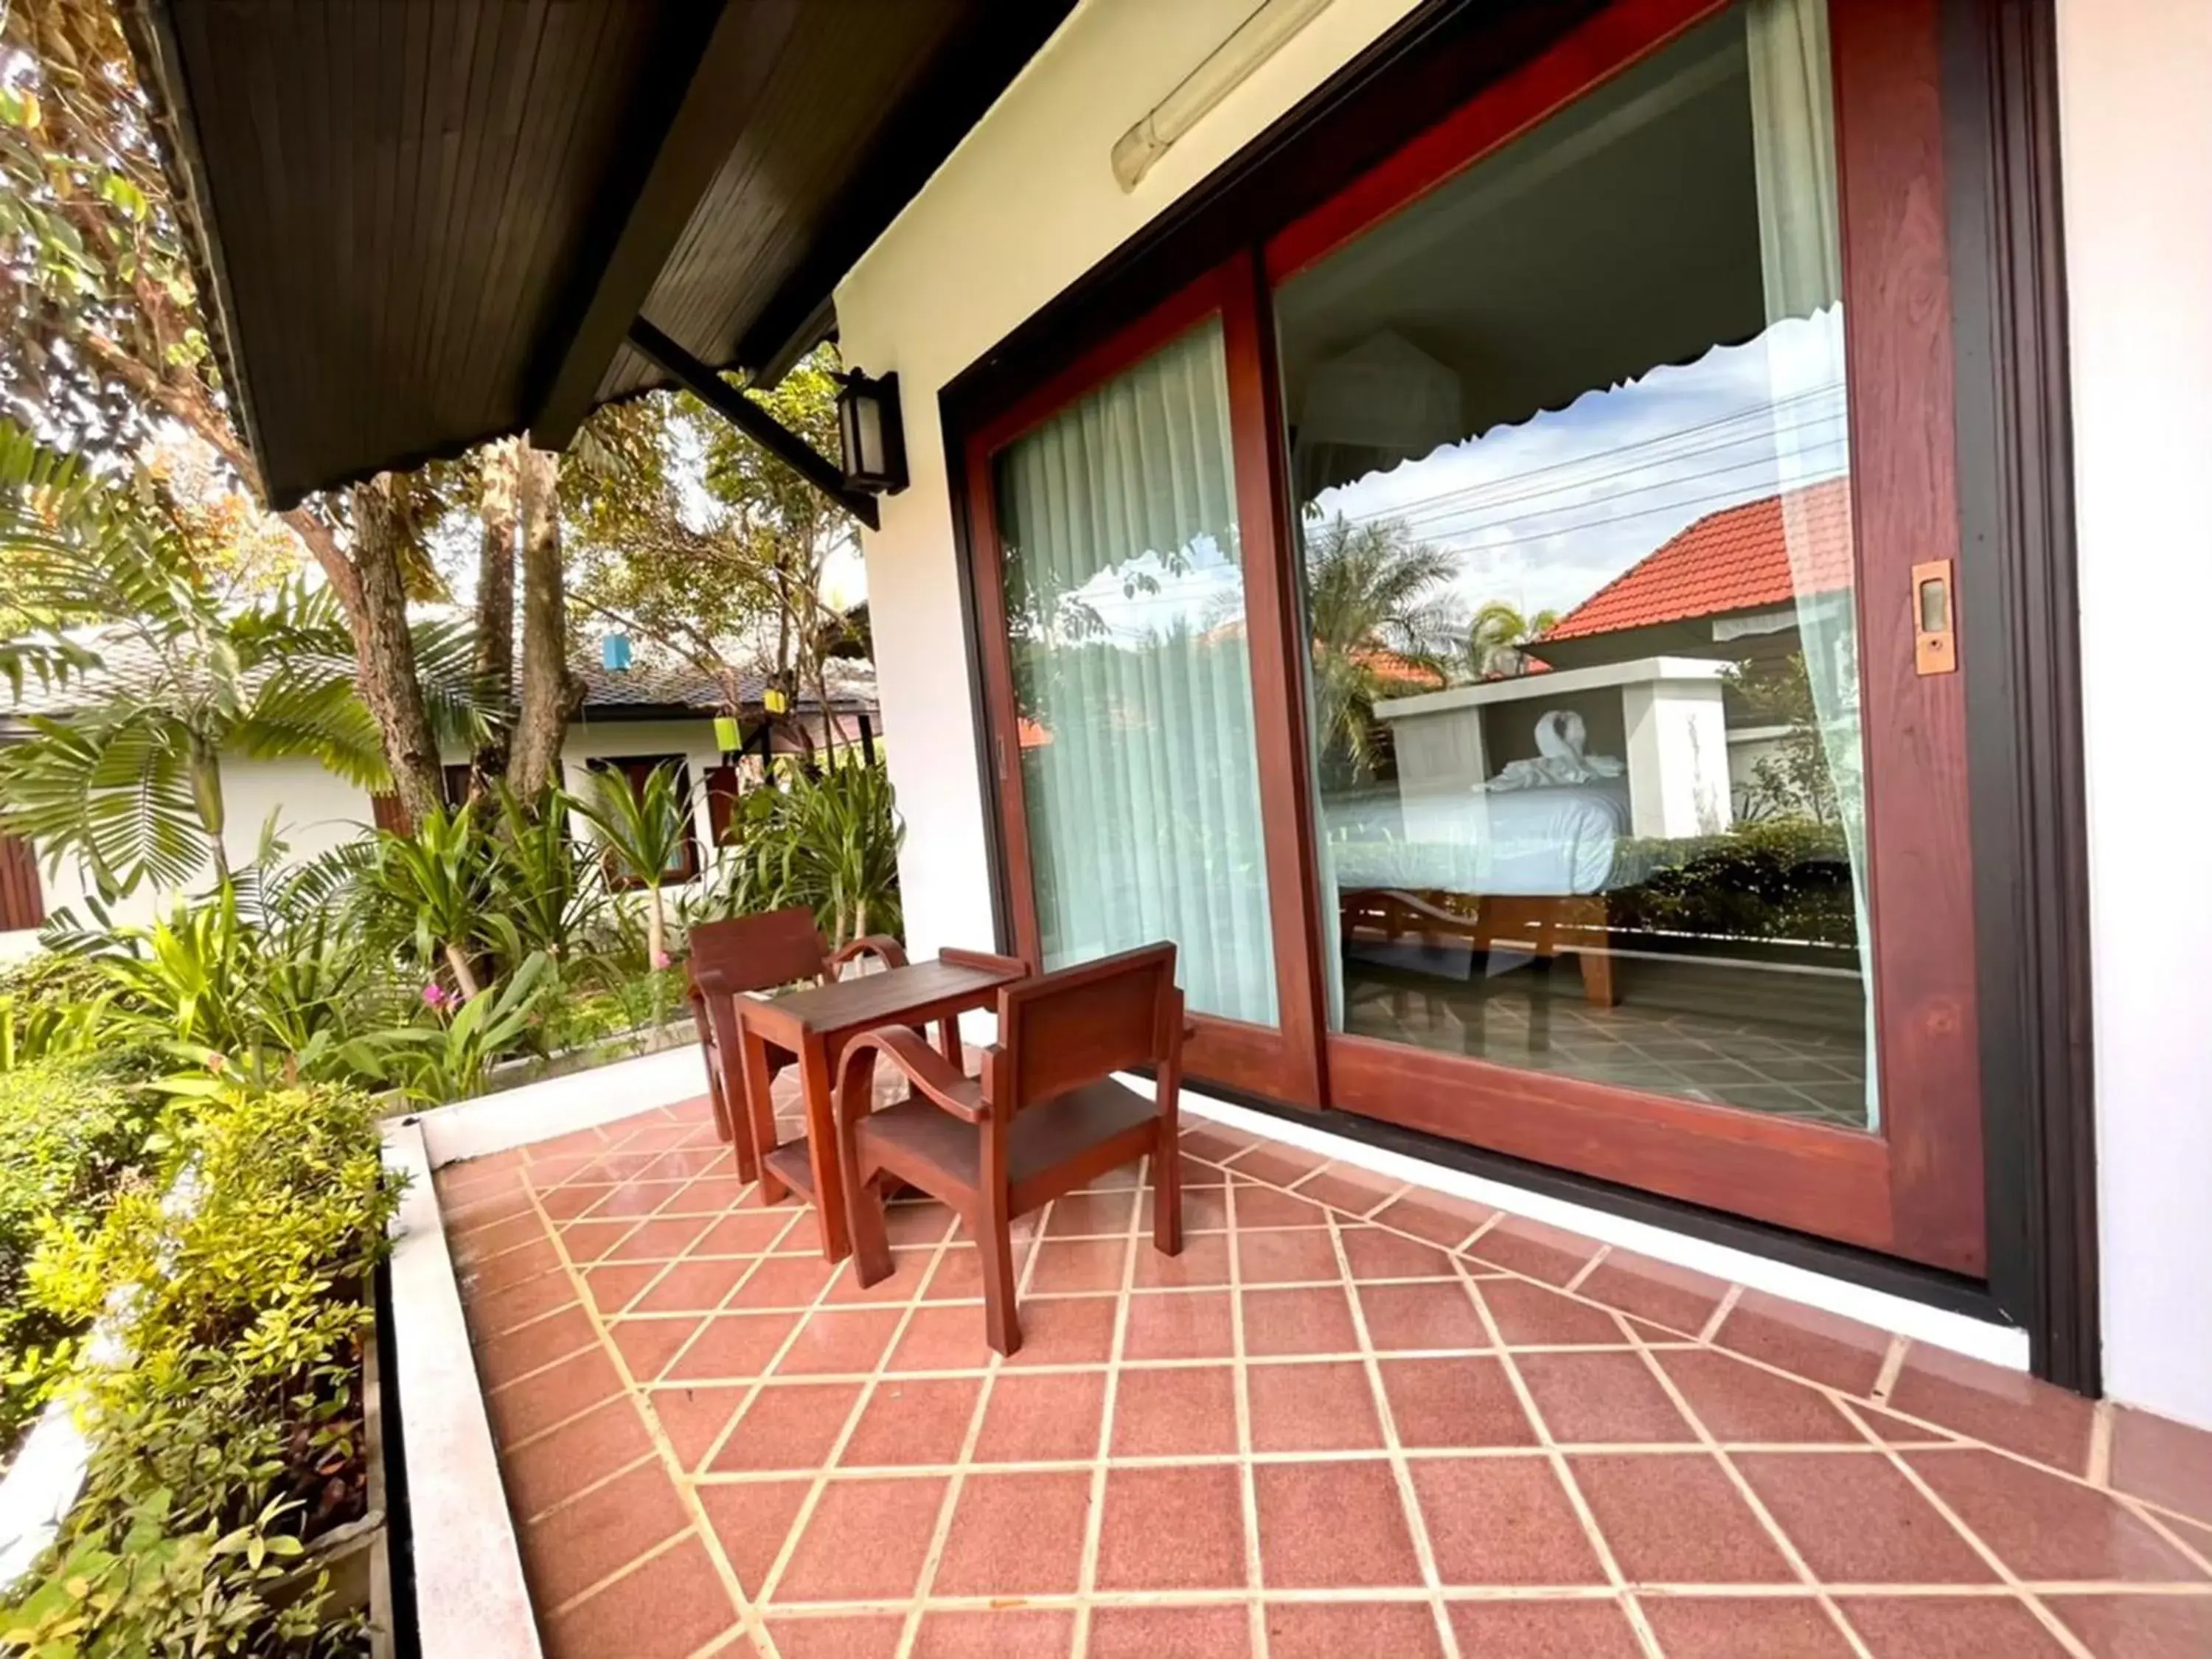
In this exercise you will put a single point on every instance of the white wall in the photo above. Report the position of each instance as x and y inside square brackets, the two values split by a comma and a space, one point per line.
[2135, 101]
[1024, 206]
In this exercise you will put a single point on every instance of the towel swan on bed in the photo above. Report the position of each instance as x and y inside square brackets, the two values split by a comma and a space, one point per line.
[1560, 735]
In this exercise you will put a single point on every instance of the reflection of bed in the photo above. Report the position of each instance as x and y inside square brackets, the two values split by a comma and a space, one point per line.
[1525, 868]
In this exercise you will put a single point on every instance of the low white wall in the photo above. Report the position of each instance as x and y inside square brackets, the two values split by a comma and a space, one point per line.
[2135, 104]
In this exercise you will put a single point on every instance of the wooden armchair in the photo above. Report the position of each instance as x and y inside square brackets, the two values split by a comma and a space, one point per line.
[758, 953]
[1046, 1116]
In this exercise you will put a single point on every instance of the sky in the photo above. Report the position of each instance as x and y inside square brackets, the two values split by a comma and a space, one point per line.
[1545, 513]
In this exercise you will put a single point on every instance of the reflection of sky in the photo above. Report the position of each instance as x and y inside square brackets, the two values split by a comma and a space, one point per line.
[1544, 514]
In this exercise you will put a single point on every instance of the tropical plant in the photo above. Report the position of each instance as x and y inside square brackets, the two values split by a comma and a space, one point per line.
[1499, 638]
[831, 842]
[438, 878]
[454, 1061]
[1375, 605]
[546, 883]
[647, 830]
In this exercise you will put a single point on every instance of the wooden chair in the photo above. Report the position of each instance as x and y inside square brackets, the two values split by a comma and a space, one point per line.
[746, 954]
[1046, 1116]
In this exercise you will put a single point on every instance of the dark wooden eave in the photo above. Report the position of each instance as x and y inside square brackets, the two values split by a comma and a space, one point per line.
[421, 226]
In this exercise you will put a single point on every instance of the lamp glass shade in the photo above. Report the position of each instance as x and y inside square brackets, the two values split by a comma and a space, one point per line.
[726, 732]
[868, 426]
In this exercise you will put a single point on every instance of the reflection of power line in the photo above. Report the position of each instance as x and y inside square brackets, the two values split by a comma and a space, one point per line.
[1730, 495]
[1424, 510]
[1754, 413]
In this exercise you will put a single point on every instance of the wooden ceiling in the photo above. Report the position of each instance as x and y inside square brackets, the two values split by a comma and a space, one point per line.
[428, 223]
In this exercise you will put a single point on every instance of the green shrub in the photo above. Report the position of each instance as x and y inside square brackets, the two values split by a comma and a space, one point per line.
[830, 842]
[1787, 879]
[68, 1133]
[232, 1436]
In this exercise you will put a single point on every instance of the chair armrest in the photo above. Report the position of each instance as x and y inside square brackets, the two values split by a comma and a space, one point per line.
[933, 1077]
[882, 947]
[960, 958]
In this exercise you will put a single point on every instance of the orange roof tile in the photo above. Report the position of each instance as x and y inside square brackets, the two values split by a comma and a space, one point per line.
[1737, 559]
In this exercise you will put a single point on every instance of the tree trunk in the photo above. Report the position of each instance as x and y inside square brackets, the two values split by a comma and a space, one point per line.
[494, 677]
[549, 693]
[465, 977]
[205, 767]
[385, 653]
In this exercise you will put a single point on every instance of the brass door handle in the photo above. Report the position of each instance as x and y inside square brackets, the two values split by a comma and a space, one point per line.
[1935, 623]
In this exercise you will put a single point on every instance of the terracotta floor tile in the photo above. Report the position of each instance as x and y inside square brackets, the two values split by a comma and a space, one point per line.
[1180, 1325]
[1291, 1256]
[917, 1223]
[1204, 1259]
[613, 1288]
[1016, 1535]
[1716, 1627]
[2045, 1528]
[560, 1464]
[1172, 1528]
[865, 1541]
[1824, 1348]
[690, 1287]
[1465, 1401]
[1378, 1253]
[1046, 1418]
[779, 1281]
[1740, 1403]
[671, 1606]
[565, 1204]
[1348, 1188]
[1173, 1632]
[957, 1275]
[1264, 1207]
[2138, 1626]
[941, 1339]
[1326, 1406]
[711, 1194]
[2167, 1462]
[1856, 1520]
[1545, 1630]
[745, 1233]
[787, 1426]
[1181, 1411]
[1078, 1264]
[839, 1342]
[502, 1359]
[1949, 1627]
[1528, 1316]
[1326, 1526]
[839, 1635]
[659, 1239]
[732, 1345]
[2003, 1408]
[693, 1418]
[1434, 1216]
[1062, 1331]
[1001, 1633]
[1214, 1144]
[1601, 1399]
[1521, 1246]
[1205, 1209]
[1092, 1215]
[1659, 1292]
[485, 1273]
[1503, 1521]
[563, 1390]
[913, 1420]
[1277, 1165]
[647, 1345]
[566, 1553]
[752, 1519]
[1309, 1321]
[497, 1312]
[910, 1269]
[1334, 1629]
[1678, 1520]
[1421, 1316]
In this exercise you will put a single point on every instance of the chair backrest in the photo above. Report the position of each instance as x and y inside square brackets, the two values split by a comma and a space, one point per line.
[1058, 1030]
[756, 953]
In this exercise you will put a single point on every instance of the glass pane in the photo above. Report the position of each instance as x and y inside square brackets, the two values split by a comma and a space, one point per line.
[1570, 441]
[1125, 606]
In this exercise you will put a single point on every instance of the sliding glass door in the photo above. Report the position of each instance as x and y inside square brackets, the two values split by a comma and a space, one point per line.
[1500, 626]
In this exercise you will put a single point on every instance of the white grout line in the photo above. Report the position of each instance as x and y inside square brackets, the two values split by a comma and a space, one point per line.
[1247, 1490]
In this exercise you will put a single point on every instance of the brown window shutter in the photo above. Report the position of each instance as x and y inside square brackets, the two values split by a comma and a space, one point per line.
[721, 800]
[388, 813]
[22, 900]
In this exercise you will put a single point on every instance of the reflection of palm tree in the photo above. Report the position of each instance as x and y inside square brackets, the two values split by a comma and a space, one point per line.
[1496, 641]
[1373, 605]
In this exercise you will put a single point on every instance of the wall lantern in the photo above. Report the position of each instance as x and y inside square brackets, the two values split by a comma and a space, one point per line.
[875, 441]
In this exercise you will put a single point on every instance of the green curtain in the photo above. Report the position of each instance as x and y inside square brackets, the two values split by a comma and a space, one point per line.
[1132, 672]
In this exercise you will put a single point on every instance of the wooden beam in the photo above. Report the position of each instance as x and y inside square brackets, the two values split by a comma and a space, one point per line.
[711, 110]
[749, 418]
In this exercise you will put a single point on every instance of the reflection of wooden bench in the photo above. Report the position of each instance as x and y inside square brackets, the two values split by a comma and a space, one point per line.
[1542, 926]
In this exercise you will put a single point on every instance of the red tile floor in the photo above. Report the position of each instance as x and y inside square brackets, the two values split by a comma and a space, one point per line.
[1353, 1420]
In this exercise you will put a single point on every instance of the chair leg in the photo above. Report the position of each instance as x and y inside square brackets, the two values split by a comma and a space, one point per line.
[872, 1261]
[1167, 1195]
[1002, 1325]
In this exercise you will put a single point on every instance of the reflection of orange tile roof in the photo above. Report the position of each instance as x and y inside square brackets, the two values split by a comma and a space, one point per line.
[1737, 559]
[1030, 735]
[1399, 671]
